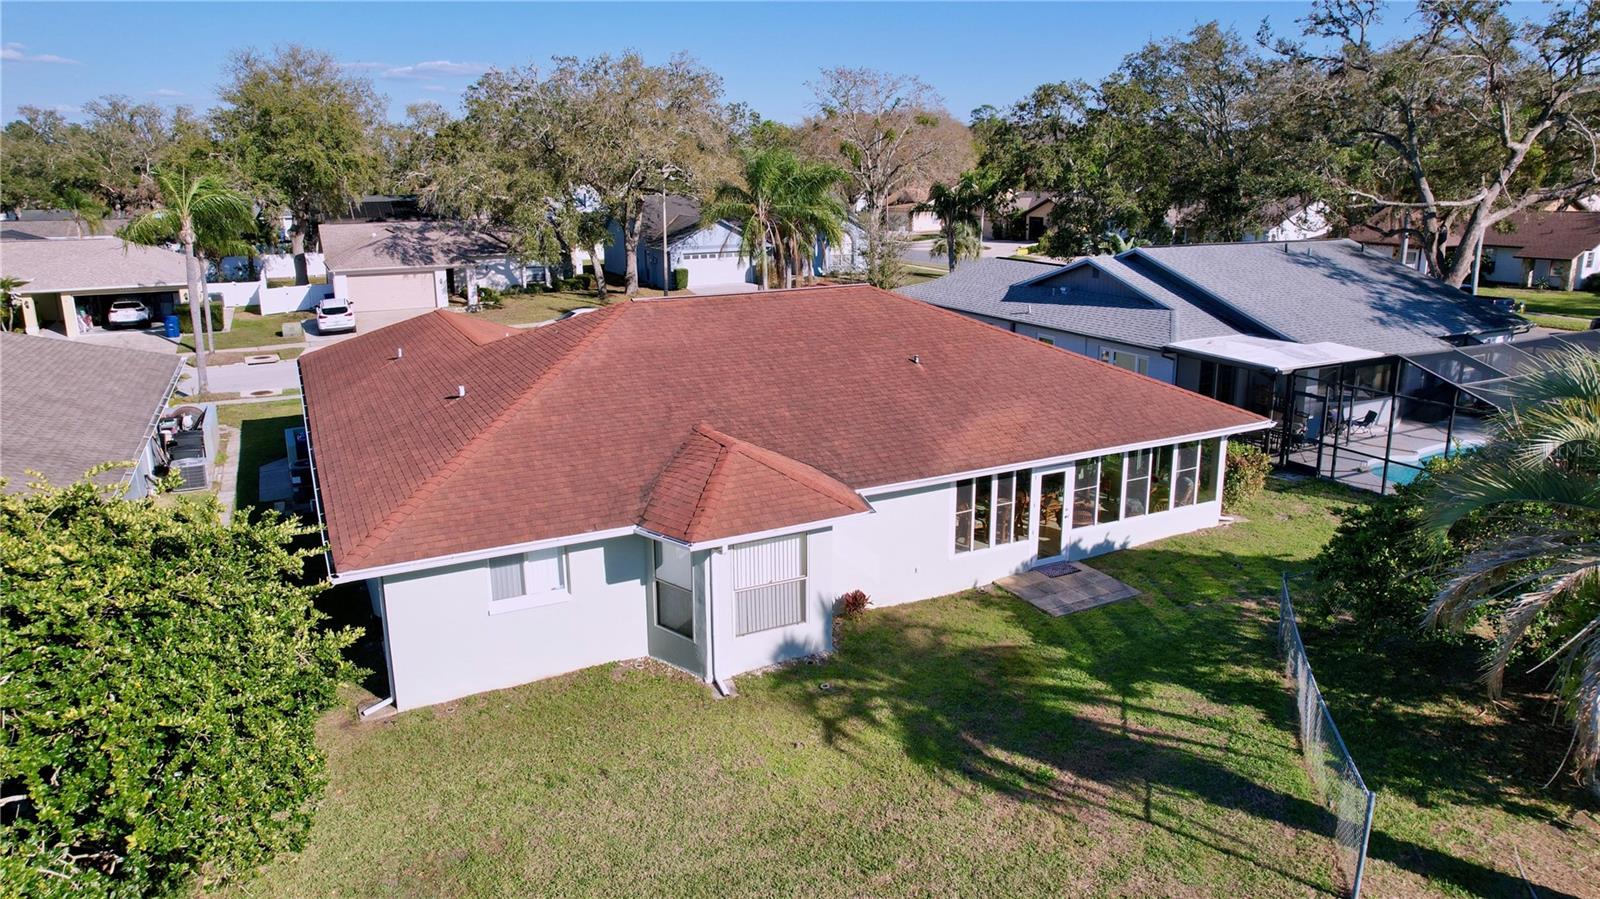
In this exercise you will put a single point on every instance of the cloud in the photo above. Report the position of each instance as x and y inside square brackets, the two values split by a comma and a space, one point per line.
[167, 92]
[15, 52]
[433, 68]
[435, 87]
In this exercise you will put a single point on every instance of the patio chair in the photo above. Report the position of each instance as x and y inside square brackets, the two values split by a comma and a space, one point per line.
[1364, 426]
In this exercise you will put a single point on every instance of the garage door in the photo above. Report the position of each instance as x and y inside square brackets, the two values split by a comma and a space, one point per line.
[715, 267]
[396, 292]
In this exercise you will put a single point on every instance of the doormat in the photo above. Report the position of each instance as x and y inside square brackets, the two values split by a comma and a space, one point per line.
[1057, 569]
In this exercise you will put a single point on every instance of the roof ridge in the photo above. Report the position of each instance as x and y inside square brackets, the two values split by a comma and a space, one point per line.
[427, 488]
[745, 447]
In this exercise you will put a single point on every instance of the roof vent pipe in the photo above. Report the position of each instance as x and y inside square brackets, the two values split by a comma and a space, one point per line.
[461, 391]
[916, 359]
[399, 352]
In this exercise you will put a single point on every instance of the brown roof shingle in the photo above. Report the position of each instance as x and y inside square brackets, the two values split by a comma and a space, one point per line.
[1533, 233]
[590, 424]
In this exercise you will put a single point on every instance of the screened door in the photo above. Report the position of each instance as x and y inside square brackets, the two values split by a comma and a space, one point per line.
[675, 622]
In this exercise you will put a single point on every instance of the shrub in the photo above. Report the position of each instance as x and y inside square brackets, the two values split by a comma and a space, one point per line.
[680, 279]
[1592, 283]
[186, 320]
[1248, 468]
[1381, 567]
[853, 603]
[162, 675]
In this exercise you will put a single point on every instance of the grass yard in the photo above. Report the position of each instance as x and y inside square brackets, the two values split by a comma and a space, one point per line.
[527, 308]
[966, 745]
[250, 330]
[917, 275]
[1559, 322]
[1577, 303]
[261, 427]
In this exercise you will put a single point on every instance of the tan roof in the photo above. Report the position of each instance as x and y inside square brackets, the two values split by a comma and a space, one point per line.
[50, 228]
[89, 263]
[355, 246]
[699, 417]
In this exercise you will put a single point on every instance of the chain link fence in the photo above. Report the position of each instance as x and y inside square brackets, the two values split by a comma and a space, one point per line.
[1333, 772]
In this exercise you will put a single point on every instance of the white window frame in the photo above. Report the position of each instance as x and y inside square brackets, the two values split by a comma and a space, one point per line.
[741, 590]
[1141, 362]
[1020, 478]
[532, 598]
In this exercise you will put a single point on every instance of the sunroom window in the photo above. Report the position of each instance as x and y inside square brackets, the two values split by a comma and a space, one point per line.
[1186, 486]
[992, 510]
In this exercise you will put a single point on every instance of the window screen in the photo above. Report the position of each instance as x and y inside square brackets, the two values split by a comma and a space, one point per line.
[505, 578]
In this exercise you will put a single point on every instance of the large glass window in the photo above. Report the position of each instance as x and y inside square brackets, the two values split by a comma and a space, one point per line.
[1186, 486]
[1110, 506]
[982, 513]
[1138, 491]
[1051, 488]
[1210, 450]
[963, 516]
[1123, 359]
[1161, 479]
[674, 593]
[1024, 505]
[1005, 501]
[1085, 492]
[992, 510]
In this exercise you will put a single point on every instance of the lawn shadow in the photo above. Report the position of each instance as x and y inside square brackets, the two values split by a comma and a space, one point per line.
[1122, 709]
[260, 441]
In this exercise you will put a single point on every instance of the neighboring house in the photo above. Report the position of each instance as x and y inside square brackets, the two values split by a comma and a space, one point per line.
[1012, 221]
[67, 407]
[1535, 248]
[1280, 220]
[390, 270]
[1239, 322]
[1034, 219]
[48, 228]
[71, 282]
[699, 479]
[849, 256]
[712, 253]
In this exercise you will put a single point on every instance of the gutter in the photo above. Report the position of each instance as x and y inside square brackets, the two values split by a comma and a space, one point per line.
[155, 420]
[316, 490]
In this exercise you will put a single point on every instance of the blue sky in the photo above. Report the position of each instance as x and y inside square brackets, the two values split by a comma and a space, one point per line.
[60, 55]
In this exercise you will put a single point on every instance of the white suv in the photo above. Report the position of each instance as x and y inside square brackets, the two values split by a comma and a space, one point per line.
[128, 314]
[334, 316]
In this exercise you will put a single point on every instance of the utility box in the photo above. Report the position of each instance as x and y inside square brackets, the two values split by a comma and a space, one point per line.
[293, 329]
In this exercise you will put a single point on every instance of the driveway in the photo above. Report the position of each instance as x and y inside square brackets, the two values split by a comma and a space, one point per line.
[917, 252]
[130, 338]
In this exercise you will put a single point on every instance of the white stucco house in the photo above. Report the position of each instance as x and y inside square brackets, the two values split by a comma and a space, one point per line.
[698, 479]
[1534, 248]
[711, 253]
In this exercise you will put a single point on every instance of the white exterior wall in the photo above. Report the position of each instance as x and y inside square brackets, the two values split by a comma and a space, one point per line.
[505, 273]
[733, 654]
[443, 643]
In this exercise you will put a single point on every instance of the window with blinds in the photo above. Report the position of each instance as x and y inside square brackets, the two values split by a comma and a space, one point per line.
[531, 578]
[769, 584]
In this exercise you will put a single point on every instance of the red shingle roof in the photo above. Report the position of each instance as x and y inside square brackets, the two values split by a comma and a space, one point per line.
[621, 417]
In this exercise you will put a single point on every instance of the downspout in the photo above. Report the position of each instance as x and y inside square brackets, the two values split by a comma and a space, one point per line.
[723, 688]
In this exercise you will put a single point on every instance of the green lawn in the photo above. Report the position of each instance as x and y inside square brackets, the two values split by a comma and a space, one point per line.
[261, 427]
[527, 308]
[250, 330]
[1559, 322]
[966, 745]
[1578, 303]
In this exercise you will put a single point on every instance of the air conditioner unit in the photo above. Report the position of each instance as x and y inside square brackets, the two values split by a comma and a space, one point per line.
[194, 474]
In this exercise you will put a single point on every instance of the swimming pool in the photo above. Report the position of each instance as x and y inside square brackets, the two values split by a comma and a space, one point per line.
[1405, 472]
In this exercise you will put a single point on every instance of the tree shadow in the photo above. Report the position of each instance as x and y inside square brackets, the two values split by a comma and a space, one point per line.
[1092, 714]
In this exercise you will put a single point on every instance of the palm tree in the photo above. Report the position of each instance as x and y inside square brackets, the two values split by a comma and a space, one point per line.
[967, 244]
[959, 205]
[86, 212]
[197, 211]
[808, 207]
[1540, 475]
[8, 294]
[750, 204]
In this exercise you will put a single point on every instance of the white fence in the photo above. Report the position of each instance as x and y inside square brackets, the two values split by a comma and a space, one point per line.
[269, 300]
[276, 265]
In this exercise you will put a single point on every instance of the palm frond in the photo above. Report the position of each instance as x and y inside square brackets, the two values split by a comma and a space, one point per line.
[155, 227]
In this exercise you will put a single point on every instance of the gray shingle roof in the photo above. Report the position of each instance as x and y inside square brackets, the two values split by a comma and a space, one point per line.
[1330, 290]
[997, 288]
[376, 245]
[48, 228]
[66, 406]
[89, 263]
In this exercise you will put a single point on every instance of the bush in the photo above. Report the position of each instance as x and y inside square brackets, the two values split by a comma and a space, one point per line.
[162, 675]
[1381, 567]
[680, 279]
[852, 604]
[1592, 283]
[186, 320]
[1248, 468]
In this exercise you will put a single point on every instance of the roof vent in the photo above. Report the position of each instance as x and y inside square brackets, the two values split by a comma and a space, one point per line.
[916, 359]
[399, 352]
[461, 391]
